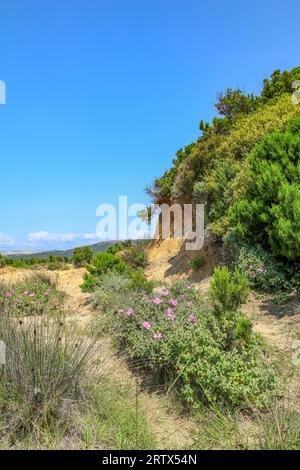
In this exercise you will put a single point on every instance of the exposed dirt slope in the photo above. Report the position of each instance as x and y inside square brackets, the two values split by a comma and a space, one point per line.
[169, 261]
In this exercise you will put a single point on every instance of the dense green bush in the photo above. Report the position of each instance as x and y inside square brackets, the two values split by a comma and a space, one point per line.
[81, 256]
[228, 291]
[269, 213]
[101, 264]
[246, 120]
[184, 346]
[197, 262]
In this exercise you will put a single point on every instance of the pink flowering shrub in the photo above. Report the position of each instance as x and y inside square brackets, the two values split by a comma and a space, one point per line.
[180, 340]
[34, 295]
[262, 270]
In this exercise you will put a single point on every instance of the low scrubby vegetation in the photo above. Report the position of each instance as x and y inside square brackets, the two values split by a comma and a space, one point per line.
[127, 258]
[34, 295]
[54, 390]
[206, 353]
[52, 262]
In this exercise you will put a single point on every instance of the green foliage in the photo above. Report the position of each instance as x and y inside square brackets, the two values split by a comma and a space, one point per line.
[115, 248]
[280, 82]
[45, 369]
[161, 190]
[184, 347]
[113, 419]
[89, 283]
[269, 213]
[235, 102]
[197, 262]
[111, 294]
[52, 262]
[138, 281]
[261, 269]
[101, 264]
[247, 119]
[228, 291]
[81, 256]
[136, 256]
[35, 295]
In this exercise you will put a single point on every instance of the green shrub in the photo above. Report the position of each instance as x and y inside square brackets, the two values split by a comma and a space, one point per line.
[112, 292]
[197, 262]
[269, 213]
[138, 281]
[228, 291]
[115, 248]
[262, 270]
[183, 346]
[81, 256]
[136, 256]
[101, 264]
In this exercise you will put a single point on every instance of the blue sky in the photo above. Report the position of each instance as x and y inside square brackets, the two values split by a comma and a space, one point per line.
[102, 93]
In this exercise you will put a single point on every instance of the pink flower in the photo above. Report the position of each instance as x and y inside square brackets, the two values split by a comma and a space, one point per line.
[261, 269]
[173, 302]
[147, 325]
[129, 312]
[157, 336]
[189, 286]
[9, 293]
[32, 294]
[165, 292]
[170, 314]
[26, 292]
[192, 318]
[157, 301]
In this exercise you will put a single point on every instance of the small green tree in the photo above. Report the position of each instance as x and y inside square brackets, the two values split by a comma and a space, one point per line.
[228, 291]
[81, 256]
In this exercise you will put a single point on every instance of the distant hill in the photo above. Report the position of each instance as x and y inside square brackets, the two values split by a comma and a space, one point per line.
[96, 248]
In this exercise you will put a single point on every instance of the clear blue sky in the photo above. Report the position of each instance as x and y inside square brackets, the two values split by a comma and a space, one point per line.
[102, 93]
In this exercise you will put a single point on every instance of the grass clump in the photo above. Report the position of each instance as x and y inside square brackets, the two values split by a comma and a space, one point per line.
[113, 419]
[43, 376]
